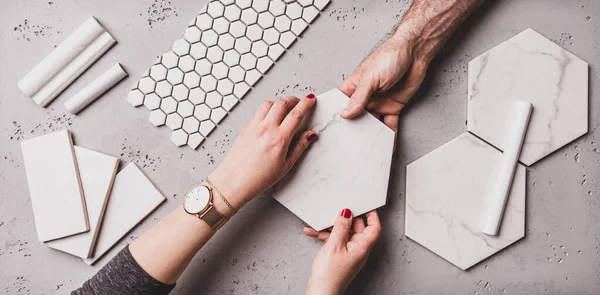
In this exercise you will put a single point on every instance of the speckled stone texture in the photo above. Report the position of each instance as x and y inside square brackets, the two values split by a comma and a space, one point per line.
[258, 253]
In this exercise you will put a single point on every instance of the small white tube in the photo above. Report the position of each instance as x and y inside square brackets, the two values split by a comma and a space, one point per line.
[65, 63]
[516, 127]
[93, 90]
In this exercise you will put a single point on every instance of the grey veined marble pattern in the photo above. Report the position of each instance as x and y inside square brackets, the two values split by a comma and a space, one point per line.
[347, 167]
[532, 68]
[446, 195]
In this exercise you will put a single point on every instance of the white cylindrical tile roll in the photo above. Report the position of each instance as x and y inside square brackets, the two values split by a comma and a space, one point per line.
[73, 56]
[93, 90]
[516, 128]
[72, 71]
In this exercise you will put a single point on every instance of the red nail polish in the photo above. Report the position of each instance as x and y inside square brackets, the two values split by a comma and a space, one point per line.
[346, 213]
[311, 137]
[311, 96]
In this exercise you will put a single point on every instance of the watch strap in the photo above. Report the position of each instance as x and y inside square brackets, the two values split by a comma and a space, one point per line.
[213, 218]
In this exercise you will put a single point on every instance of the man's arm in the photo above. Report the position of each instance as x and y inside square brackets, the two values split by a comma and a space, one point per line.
[386, 80]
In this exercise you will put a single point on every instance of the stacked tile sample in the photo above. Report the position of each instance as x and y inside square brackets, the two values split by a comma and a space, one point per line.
[225, 50]
[347, 167]
[447, 190]
[80, 204]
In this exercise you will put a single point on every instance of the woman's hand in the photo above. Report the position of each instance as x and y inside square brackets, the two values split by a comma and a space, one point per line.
[264, 150]
[345, 252]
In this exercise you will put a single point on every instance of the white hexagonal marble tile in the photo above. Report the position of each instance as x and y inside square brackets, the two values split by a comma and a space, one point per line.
[264, 64]
[229, 101]
[243, 45]
[218, 115]
[271, 36]
[181, 47]
[219, 70]
[240, 89]
[248, 61]
[243, 3]
[175, 76]
[254, 32]
[168, 105]
[198, 50]
[215, 9]
[170, 59]
[277, 7]
[287, 39]
[158, 72]
[192, 34]
[260, 6]
[208, 83]
[293, 10]
[204, 21]
[197, 96]
[186, 63]
[174, 121]
[191, 125]
[163, 88]
[275, 51]
[283, 23]
[146, 85]
[252, 76]
[298, 26]
[191, 80]
[236, 74]
[206, 127]
[214, 54]
[226, 42]
[180, 92]
[213, 99]
[135, 97]
[249, 16]
[444, 201]
[532, 68]
[310, 13]
[365, 139]
[179, 137]
[209, 38]
[225, 87]
[202, 112]
[203, 67]
[266, 20]
[305, 3]
[152, 101]
[321, 4]
[221, 25]
[231, 58]
[157, 118]
[185, 108]
[195, 139]
[237, 29]
[259, 48]
[232, 13]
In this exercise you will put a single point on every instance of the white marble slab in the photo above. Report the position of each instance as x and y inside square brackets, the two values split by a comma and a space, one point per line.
[446, 192]
[97, 172]
[532, 68]
[348, 166]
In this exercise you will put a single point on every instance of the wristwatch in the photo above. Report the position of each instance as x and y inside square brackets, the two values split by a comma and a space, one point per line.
[199, 201]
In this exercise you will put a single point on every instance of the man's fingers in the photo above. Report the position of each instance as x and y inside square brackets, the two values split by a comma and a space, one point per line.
[302, 143]
[359, 99]
[341, 229]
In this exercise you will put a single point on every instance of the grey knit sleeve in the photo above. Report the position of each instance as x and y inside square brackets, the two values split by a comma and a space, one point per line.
[123, 275]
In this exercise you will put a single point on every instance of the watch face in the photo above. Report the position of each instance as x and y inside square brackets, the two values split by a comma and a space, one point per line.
[196, 200]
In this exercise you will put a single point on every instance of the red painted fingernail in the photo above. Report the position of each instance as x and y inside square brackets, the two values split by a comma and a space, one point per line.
[311, 96]
[311, 137]
[346, 213]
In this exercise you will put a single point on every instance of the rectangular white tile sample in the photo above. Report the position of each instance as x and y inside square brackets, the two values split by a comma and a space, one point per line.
[133, 197]
[97, 172]
[54, 186]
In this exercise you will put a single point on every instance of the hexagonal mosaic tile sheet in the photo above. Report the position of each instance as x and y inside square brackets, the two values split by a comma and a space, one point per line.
[532, 68]
[224, 52]
[446, 196]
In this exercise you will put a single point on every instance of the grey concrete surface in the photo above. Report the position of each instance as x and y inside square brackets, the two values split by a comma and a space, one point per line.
[263, 250]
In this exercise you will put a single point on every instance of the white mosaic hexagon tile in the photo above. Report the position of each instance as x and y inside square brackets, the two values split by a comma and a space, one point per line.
[225, 50]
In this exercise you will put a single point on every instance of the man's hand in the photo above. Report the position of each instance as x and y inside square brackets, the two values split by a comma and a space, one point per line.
[386, 80]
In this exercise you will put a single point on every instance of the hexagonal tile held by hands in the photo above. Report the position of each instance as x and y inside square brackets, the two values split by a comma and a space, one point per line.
[532, 68]
[365, 139]
[446, 196]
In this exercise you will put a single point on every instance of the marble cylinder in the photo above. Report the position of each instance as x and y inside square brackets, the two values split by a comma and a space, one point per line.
[93, 90]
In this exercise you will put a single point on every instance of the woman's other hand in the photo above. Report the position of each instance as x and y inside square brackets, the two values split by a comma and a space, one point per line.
[345, 252]
[264, 150]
